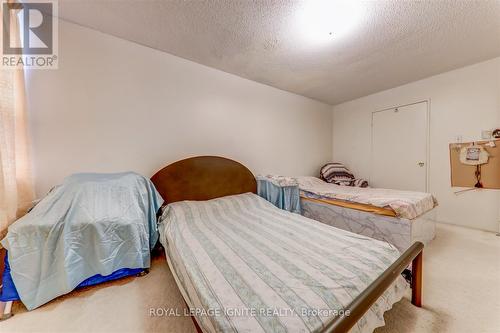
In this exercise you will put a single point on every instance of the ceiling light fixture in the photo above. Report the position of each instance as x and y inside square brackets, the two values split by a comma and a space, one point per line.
[324, 20]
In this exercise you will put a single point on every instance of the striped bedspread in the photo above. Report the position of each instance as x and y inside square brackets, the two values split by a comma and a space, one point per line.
[244, 265]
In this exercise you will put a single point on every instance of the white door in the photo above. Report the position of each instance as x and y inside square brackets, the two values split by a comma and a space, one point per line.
[399, 148]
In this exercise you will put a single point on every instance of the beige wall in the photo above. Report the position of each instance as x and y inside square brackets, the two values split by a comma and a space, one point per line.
[462, 103]
[113, 105]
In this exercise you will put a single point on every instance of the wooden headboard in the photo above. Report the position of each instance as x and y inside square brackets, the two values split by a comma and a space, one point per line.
[203, 178]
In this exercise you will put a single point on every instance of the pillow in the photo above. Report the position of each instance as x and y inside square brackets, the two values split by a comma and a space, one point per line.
[336, 173]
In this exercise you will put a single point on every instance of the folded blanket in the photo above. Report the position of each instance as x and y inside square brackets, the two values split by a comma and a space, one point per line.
[338, 174]
[359, 182]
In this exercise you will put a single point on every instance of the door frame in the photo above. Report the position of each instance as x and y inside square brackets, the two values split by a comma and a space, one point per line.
[427, 137]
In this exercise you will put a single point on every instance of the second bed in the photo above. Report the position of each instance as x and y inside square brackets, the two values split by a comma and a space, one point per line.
[394, 216]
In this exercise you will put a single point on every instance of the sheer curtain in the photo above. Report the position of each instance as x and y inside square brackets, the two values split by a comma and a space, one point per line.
[16, 185]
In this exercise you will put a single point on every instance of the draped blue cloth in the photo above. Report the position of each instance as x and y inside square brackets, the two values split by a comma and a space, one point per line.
[9, 291]
[286, 197]
[92, 224]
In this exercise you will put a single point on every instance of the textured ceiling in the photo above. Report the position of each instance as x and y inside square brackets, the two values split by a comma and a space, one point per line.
[395, 42]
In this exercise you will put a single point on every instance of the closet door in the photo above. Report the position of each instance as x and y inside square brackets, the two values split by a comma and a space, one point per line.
[399, 148]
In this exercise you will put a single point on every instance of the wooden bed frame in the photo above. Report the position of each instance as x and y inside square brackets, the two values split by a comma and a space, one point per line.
[210, 177]
[203, 178]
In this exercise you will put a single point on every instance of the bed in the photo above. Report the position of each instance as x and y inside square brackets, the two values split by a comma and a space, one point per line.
[398, 217]
[90, 229]
[243, 265]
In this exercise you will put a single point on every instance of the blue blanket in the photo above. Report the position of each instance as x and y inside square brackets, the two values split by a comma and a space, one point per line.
[9, 291]
[91, 224]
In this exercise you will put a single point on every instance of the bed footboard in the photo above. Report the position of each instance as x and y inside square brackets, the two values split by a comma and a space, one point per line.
[416, 280]
[365, 300]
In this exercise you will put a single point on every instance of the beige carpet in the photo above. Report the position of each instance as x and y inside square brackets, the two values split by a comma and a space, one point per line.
[461, 294]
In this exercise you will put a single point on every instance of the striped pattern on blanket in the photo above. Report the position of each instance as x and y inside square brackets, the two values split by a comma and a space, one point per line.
[255, 268]
[336, 173]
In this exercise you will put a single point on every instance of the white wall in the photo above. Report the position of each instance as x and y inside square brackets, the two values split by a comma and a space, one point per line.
[114, 105]
[462, 102]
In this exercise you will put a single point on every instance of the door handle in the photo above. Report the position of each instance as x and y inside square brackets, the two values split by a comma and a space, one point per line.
[421, 164]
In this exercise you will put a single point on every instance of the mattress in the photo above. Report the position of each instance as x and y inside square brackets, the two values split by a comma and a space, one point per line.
[244, 265]
[400, 232]
[404, 204]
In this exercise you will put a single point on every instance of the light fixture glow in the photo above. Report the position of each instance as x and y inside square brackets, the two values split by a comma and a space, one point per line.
[324, 20]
